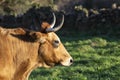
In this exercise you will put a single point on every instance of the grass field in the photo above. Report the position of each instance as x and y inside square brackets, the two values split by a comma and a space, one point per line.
[95, 58]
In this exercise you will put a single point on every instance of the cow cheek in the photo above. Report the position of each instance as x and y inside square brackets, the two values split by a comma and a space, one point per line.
[62, 53]
[46, 54]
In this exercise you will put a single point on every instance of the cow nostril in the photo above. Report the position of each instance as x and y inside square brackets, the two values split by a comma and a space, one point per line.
[71, 60]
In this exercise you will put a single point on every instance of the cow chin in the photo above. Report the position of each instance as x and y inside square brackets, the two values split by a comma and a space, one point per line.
[46, 65]
[51, 64]
[62, 63]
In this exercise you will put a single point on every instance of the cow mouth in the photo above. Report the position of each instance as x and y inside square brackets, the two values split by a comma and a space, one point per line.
[66, 64]
[50, 65]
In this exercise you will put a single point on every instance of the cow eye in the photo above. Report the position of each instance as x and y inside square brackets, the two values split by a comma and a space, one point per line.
[56, 43]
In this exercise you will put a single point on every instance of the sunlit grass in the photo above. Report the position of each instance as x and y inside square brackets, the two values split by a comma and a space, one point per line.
[95, 58]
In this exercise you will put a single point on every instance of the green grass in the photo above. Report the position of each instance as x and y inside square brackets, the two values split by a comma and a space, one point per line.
[95, 58]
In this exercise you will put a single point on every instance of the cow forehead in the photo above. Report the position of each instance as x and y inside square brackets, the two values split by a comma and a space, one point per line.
[53, 36]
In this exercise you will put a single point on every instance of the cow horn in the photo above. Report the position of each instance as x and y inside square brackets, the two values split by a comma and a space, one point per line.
[54, 20]
[60, 25]
[56, 28]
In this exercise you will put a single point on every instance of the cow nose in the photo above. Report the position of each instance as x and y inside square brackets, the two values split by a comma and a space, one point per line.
[71, 60]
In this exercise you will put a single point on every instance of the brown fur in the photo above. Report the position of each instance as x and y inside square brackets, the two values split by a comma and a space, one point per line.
[44, 26]
[22, 51]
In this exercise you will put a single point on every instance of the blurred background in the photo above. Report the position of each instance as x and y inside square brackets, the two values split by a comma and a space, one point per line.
[91, 34]
[80, 15]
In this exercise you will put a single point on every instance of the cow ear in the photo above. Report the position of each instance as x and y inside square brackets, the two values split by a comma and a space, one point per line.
[38, 37]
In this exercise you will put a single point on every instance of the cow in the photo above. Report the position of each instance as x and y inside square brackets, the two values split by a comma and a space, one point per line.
[23, 50]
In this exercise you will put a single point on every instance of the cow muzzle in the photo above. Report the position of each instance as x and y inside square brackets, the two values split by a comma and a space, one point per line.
[67, 62]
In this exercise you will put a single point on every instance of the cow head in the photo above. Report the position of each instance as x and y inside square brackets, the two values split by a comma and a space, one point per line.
[51, 50]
